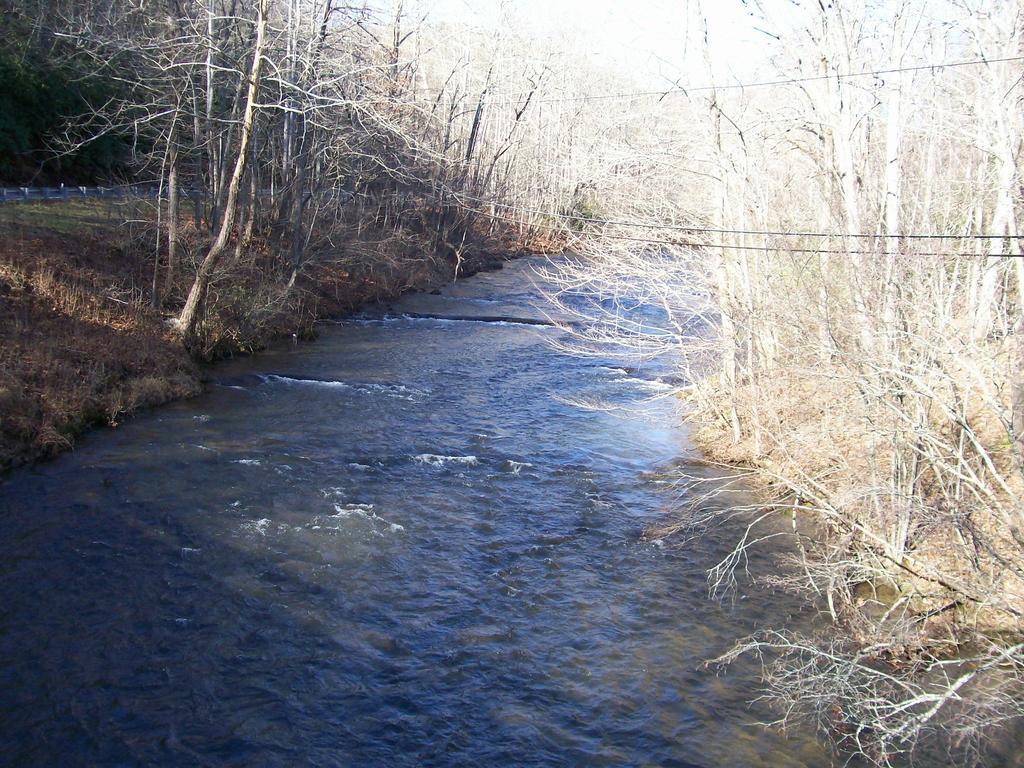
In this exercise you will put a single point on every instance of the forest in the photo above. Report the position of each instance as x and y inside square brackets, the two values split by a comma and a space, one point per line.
[832, 247]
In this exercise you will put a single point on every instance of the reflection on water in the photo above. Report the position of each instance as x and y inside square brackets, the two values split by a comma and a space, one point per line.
[400, 545]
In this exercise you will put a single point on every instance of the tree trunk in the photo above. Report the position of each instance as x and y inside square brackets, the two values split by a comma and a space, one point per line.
[211, 157]
[1017, 390]
[172, 223]
[245, 234]
[191, 312]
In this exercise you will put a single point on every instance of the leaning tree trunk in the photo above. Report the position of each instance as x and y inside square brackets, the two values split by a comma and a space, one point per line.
[191, 312]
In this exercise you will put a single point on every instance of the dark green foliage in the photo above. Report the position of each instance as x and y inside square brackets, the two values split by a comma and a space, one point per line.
[45, 92]
[583, 208]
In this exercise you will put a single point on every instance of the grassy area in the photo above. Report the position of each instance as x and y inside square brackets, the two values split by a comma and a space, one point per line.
[80, 347]
[74, 216]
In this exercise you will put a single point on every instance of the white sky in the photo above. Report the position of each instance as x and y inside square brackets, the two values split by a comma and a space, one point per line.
[644, 36]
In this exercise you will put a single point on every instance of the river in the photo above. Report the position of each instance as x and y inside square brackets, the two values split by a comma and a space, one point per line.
[403, 544]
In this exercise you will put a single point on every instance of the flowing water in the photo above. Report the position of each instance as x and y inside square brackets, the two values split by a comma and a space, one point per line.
[405, 544]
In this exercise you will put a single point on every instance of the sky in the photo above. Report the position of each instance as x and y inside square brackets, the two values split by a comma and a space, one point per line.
[648, 37]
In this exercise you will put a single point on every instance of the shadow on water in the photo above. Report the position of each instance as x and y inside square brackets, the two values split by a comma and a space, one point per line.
[395, 546]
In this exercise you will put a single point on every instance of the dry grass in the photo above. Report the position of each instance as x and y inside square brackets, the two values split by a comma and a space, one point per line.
[79, 348]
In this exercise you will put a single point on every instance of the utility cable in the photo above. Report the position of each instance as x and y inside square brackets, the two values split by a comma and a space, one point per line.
[712, 230]
[515, 98]
[763, 248]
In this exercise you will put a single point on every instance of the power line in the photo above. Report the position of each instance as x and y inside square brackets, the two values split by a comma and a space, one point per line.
[762, 248]
[508, 98]
[841, 251]
[712, 230]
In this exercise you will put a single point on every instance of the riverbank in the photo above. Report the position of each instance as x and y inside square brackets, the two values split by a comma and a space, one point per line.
[819, 465]
[924, 591]
[84, 348]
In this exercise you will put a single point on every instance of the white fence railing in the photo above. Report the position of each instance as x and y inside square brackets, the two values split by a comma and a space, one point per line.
[21, 194]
